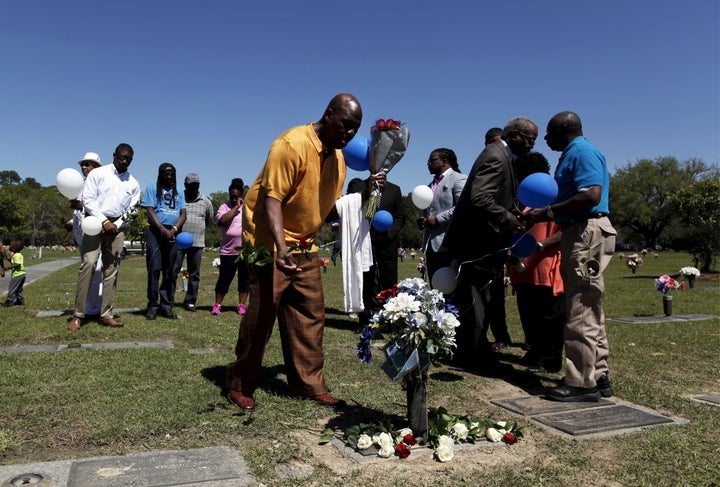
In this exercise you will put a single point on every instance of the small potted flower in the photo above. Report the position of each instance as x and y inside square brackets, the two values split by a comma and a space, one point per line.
[633, 262]
[666, 285]
[691, 273]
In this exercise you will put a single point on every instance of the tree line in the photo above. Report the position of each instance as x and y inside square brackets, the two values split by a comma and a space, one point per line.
[663, 201]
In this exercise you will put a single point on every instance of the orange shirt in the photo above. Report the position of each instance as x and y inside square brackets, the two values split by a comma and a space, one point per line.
[294, 174]
[541, 268]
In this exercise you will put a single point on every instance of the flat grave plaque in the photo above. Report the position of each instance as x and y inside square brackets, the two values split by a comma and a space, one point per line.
[598, 420]
[533, 405]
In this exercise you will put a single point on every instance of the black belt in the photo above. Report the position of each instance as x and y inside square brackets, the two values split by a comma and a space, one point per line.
[580, 219]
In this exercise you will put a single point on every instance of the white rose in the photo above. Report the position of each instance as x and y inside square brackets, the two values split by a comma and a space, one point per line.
[500, 424]
[386, 451]
[385, 439]
[444, 453]
[445, 440]
[364, 441]
[493, 435]
[403, 433]
[460, 430]
[449, 322]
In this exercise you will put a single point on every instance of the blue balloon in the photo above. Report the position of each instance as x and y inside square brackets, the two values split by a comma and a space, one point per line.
[537, 190]
[382, 220]
[357, 153]
[184, 240]
[522, 244]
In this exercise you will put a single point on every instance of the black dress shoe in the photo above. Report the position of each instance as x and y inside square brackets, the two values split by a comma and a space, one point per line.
[151, 314]
[566, 393]
[169, 314]
[604, 387]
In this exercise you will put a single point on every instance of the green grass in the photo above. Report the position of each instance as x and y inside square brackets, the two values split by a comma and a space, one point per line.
[82, 403]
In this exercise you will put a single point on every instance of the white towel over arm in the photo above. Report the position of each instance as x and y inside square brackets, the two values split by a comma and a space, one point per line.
[356, 249]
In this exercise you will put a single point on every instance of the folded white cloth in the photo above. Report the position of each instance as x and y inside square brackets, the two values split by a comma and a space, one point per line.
[356, 249]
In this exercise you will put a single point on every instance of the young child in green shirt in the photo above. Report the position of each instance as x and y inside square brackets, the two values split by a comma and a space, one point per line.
[16, 294]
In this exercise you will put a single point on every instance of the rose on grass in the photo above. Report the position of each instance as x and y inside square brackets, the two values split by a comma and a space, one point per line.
[386, 451]
[509, 438]
[444, 453]
[402, 450]
[444, 432]
[460, 431]
[364, 441]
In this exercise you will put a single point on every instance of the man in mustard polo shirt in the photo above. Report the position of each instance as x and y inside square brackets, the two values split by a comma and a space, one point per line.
[284, 208]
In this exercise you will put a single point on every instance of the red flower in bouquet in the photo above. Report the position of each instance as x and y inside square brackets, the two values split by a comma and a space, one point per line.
[387, 293]
[388, 143]
[509, 438]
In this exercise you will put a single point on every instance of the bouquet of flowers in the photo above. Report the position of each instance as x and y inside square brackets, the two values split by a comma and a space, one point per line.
[388, 143]
[690, 271]
[445, 434]
[633, 262]
[666, 284]
[415, 318]
[216, 262]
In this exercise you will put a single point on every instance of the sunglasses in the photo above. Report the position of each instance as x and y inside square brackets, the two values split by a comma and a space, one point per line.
[124, 158]
[435, 159]
[84, 164]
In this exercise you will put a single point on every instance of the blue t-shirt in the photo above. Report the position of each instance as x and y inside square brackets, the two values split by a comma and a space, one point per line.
[168, 208]
[581, 165]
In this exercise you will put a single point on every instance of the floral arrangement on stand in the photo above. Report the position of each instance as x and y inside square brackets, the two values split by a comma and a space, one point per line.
[388, 143]
[633, 262]
[415, 318]
[690, 271]
[445, 434]
[666, 284]
[324, 261]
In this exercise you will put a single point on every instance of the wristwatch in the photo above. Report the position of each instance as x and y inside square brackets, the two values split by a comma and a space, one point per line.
[549, 212]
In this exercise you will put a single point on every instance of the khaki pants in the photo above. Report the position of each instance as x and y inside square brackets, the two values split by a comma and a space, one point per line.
[587, 248]
[105, 247]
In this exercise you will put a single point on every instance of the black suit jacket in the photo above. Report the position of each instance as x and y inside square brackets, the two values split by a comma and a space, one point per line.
[485, 206]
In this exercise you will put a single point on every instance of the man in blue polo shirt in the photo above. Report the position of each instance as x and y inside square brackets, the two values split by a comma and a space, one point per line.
[166, 213]
[587, 245]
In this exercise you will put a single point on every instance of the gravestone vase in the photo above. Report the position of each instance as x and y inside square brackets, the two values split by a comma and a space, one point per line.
[667, 305]
[417, 411]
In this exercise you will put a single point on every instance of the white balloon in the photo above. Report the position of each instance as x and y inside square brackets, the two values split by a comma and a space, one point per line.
[91, 225]
[445, 280]
[422, 196]
[70, 183]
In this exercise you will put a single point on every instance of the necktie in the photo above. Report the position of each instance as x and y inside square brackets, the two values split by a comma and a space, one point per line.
[436, 183]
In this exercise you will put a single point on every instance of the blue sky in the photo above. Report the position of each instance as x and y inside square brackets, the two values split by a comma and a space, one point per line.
[209, 85]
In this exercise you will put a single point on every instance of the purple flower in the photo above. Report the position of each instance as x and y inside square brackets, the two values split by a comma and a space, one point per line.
[363, 346]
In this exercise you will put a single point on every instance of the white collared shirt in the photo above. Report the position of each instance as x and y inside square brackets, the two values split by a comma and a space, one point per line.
[107, 194]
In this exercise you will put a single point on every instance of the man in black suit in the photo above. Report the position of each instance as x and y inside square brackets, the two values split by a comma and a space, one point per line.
[383, 274]
[487, 205]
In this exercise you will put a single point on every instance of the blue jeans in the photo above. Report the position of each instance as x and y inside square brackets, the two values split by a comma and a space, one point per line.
[160, 259]
[194, 260]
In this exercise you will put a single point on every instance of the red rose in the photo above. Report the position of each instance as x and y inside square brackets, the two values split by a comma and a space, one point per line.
[509, 438]
[402, 450]
[383, 295]
[380, 124]
[409, 440]
[303, 244]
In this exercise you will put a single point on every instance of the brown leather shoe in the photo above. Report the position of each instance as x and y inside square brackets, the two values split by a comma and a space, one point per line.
[112, 323]
[243, 402]
[328, 400]
[74, 323]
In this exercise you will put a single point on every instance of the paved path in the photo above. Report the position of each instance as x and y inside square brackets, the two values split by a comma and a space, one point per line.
[38, 271]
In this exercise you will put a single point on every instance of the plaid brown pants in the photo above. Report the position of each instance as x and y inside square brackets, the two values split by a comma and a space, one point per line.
[298, 303]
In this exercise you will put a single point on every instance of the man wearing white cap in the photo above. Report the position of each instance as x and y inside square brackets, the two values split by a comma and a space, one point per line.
[87, 164]
[199, 214]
